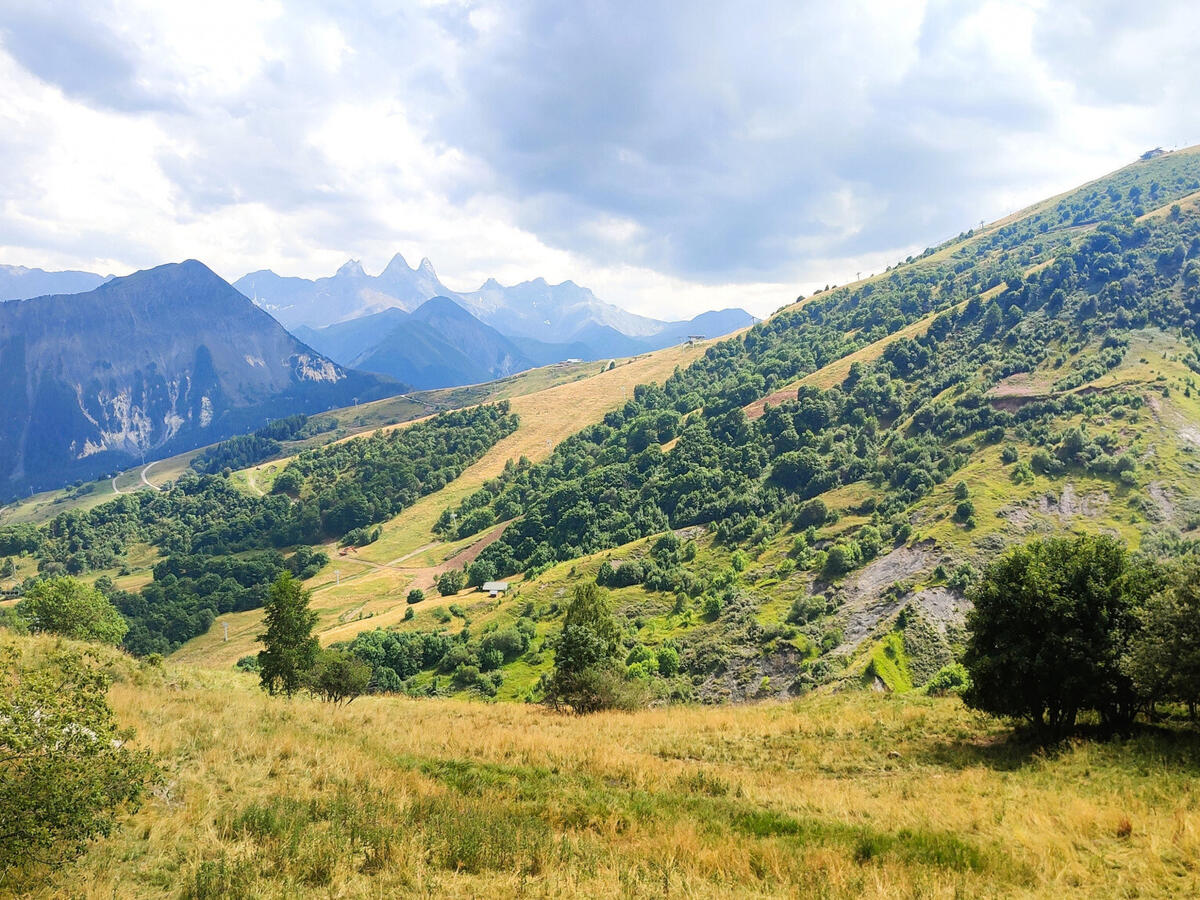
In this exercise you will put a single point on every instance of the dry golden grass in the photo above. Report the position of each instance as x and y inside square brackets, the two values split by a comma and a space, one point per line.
[376, 579]
[838, 795]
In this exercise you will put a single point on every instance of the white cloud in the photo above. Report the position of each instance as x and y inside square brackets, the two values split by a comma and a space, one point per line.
[670, 159]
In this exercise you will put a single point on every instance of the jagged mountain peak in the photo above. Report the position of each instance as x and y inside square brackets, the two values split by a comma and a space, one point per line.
[351, 268]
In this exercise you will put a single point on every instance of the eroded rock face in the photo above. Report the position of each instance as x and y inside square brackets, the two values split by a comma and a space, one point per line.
[157, 362]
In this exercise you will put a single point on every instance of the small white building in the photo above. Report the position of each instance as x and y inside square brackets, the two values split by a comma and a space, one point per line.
[495, 588]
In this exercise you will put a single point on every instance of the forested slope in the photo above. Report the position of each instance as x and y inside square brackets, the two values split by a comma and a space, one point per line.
[809, 499]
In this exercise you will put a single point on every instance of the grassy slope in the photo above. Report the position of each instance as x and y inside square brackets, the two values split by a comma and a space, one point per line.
[376, 579]
[839, 795]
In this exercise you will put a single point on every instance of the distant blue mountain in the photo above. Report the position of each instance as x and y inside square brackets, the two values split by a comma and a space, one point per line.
[20, 283]
[544, 322]
[439, 344]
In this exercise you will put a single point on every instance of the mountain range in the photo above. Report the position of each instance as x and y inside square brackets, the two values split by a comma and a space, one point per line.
[533, 310]
[19, 283]
[157, 362]
[381, 324]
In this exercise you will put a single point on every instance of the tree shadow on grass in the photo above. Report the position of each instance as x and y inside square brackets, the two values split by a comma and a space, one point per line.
[1173, 746]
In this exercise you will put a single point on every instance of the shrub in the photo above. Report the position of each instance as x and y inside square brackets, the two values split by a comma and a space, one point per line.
[73, 609]
[451, 582]
[805, 610]
[811, 512]
[338, 676]
[668, 661]
[951, 679]
[66, 770]
[416, 595]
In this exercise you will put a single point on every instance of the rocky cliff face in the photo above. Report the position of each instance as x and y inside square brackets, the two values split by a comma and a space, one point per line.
[147, 365]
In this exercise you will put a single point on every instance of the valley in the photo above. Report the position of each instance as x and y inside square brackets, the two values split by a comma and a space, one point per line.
[787, 525]
[779, 477]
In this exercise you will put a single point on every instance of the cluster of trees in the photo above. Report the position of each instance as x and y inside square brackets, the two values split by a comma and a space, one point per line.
[1067, 626]
[341, 490]
[467, 661]
[249, 449]
[665, 568]
[324, 493]
[189, 591]
[292, 659]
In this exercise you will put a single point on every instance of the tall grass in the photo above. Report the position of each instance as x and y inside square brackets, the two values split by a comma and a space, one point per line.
[841, 795]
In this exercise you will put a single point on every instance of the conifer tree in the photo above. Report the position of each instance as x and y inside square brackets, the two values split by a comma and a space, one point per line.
[290, 648]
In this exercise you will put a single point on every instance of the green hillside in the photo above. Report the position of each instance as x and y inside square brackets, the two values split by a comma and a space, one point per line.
[833, 477]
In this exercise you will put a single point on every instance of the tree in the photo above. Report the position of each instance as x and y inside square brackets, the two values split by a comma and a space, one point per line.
[416, 595]
[585, 653]
[480, 572]
[451, 582]
[73, 609]
[1164, 656]
[338, 676]
[290, 649]
[66, 770]
[1050, 625]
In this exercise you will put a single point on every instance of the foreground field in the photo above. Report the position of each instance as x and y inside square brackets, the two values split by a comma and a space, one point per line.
[839, 795]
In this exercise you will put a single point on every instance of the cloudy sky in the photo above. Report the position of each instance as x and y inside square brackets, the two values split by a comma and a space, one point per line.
[673, 156]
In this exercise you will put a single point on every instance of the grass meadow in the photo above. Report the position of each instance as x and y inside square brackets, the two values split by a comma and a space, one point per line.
[851, 794]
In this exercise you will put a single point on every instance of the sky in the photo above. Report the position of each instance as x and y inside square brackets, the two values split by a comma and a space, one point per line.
[672, 156]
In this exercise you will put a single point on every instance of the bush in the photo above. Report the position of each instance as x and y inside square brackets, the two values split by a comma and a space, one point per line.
[840, 559]
[480, 572]
[712, 607]
[73, 609]
[416, 595]
[338, 676]
[451, 582]
[668, 661]
[951, 679]
[811, 512]
[805, 610]
[66, 770]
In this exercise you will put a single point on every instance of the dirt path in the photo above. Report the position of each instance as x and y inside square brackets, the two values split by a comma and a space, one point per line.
[254, 484]
[145, 480]
[116, 490]
[419, 550]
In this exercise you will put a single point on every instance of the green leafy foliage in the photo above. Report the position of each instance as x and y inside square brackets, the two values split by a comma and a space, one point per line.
[66, 770]
[586, 676]
[1164, 655]
[337, 676]
[1051, 623]
[73, 609]
[451, 582]
[248, 449]
[290, 650]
